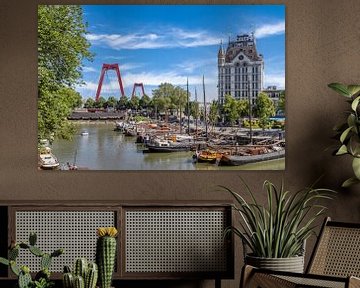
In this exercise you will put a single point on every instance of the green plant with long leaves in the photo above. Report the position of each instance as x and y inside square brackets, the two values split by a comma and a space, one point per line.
[279, 229]
[349, 131]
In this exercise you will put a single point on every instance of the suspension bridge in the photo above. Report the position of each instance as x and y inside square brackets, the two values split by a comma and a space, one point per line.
[105, 68]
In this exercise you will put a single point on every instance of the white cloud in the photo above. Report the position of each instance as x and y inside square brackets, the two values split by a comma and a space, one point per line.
[190, 66]
[275, 80]
[270, 29]
[87, 69]
[129, 66]
[168, 38]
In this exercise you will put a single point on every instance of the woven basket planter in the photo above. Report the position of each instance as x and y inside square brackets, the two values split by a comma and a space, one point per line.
[291, 264]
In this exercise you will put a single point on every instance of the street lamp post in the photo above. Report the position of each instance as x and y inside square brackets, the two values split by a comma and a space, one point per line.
[187, 104]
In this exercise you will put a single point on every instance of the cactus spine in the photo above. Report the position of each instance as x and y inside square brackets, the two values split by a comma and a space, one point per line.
[80, 267]
[68, 280]
[79, 282]
[91, 276]
[84, 275]
[105, 255]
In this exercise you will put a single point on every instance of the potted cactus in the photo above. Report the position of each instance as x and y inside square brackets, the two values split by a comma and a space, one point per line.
[42, 278]
[84, 275]
[106, 254]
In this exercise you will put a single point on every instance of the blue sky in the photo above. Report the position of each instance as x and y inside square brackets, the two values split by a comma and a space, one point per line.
[154, 44]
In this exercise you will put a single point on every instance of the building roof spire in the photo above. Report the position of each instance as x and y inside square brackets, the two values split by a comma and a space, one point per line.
[221, 52]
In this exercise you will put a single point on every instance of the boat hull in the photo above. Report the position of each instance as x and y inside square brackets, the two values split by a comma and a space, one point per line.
[208, 157]
[157, 149]
[235, 160]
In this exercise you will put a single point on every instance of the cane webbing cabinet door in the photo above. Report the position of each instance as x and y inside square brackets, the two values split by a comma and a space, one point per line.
[155, 241]
[70, 228]
[176, 242]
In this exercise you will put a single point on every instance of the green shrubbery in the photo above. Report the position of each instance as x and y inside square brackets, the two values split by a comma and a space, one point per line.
[272, 124]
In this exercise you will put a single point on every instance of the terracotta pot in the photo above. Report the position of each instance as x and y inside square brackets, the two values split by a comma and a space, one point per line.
[291, 264]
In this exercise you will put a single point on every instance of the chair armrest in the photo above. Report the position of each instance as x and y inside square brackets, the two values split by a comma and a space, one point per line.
[354, 282]
[254, 277]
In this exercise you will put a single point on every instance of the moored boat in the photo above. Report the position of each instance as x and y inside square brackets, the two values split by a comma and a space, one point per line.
[208, 156]
[236, 160]
[158, 145]
[47, 160]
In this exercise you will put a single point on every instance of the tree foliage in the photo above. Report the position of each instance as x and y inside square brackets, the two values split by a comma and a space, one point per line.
[265, 108]
[122, 104]
[230, 109]
[89, 103]
[281, 103]
[62, 103]
[62, 47]
[111, 102]
[213, 113]
[194, 108]
[101, 103]
[134, 102]
[144, 102]
[168, 96]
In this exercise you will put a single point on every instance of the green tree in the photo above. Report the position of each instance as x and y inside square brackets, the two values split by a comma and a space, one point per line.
[179, 100]
[281, 103]
[62, 47]
[144, 102]
[194, 109]
[101, 103]
[122, 104]
[243, 107]
[231, 109]
[213, 113]
[48, 119]
[89, 103]
[111, 102]
[161, 98]
[265, 108]
[134, 103]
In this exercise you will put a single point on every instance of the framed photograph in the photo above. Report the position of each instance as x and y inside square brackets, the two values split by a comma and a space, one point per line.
[161, 87]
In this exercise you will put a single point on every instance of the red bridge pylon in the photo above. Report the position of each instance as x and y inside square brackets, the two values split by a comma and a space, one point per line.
[106, 67]
[138, 85]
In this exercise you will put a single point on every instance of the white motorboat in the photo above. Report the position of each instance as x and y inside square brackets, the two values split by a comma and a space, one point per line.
[47, 160]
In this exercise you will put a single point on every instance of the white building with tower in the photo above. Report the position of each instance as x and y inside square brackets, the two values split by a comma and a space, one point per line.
[240, 69]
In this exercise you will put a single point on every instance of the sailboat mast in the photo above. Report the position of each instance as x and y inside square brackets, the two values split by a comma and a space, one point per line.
[250, 112]
[187, 104]
[196, 114]
[205, 116]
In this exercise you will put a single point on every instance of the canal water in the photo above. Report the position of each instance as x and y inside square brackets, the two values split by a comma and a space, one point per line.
[106, 149]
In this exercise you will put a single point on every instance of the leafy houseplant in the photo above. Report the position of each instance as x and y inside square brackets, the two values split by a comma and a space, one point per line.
[42, 278]
[349, 132]
[280, 228]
